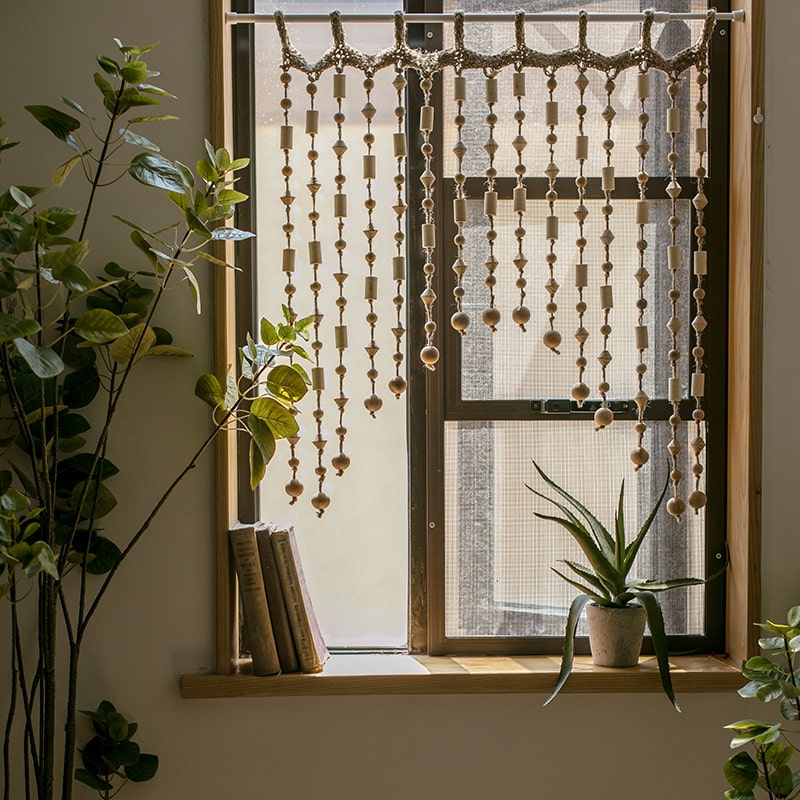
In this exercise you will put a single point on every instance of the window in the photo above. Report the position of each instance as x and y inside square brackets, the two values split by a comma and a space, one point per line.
[471, 412]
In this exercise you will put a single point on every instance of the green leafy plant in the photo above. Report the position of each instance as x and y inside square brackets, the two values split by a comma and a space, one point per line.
[112, 754]
[73, 336]
[769, 679]
[606, 581]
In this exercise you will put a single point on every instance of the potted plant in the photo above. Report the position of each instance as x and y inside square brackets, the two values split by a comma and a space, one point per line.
[768, 680]
[618, 605]
[74, 335]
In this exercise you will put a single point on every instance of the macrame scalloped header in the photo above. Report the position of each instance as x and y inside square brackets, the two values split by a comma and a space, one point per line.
[642, 55]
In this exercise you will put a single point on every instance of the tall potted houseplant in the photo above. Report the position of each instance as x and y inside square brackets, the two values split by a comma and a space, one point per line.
[618, 604]
[74, 335]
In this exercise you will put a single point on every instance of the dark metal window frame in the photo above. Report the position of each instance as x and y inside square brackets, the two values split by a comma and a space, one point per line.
[435, 397]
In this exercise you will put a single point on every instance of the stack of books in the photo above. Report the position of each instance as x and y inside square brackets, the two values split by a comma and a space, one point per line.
[282, 629]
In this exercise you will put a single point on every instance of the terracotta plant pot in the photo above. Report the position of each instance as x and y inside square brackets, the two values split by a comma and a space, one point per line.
[615, 634]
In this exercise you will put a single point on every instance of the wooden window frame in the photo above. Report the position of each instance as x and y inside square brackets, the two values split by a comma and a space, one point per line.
[745, 339]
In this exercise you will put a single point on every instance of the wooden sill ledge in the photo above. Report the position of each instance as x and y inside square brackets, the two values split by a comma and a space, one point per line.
[374, 674]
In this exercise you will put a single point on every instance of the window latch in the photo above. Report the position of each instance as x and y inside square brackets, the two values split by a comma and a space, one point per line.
[566, 406]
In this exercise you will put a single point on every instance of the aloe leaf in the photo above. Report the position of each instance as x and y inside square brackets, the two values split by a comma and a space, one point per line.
[655, 621]
[597, 597]
[655, 585]
[589, 577]
[619, 528]
[603, 537]
[568, 655]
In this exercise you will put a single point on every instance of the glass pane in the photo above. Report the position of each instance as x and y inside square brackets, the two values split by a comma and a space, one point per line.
[498, 556]
[510, 364]
[356, 568]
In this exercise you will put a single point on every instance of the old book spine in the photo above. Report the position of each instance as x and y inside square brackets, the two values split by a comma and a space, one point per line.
[254, 602]
[311, 649]
[278, 615]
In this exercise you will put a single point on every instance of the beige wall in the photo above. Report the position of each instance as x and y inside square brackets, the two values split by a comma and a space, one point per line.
[155, 628]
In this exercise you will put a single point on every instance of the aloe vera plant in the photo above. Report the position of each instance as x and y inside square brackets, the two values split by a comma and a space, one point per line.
[606, 581]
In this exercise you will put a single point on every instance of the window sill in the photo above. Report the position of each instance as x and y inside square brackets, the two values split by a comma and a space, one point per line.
[366, 674]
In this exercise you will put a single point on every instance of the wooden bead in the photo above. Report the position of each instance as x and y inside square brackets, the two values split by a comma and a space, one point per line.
[701, 262]
[287, 137]
[312, 121]
[490, 204]
[643, 85]
[426, 118]
[639, 456]
[676, 507]
[459, 89]
[429, 355]
[552, 339]
[459, 321]
[580, 391]
[399, 268]
[697, 500]
[521, 315]
[518, 84]
[491, 317]
[397, 385]
[673, 120]
[340, 463]
[603, 417]
[373, 403]
[399, 144]
[551, 113]
[294, 488]
[320, 501]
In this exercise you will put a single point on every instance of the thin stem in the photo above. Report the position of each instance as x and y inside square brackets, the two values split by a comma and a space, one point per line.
[100, 163]
[790, 662]
[763, 758]
[12, 704]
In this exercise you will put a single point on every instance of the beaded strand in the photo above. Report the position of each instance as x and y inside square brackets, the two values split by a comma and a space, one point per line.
[491, 314]
[551, 338]
[521, 314]
[459, 320]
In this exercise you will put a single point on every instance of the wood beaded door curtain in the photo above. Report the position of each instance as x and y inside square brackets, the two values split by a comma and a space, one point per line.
[555, 69]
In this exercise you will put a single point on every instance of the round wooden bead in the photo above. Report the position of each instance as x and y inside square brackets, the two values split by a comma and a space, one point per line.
[320, 501]
[521, 315]
[459, 320]
[429, 355]
[397, 385]
[373, 403]
[551, 339]
[340, 463]
[294, 488]
[580, 391]
[697, 500]
[676, 507]
[603, 417]
[490, 317]
[639, 456]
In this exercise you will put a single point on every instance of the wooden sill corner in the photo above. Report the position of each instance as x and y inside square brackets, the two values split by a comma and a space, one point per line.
[374, 674]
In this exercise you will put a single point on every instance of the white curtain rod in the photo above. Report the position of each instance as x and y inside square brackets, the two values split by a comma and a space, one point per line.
[235, 18]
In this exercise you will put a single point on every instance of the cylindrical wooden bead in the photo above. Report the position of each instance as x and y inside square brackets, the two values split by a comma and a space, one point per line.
[371, 287]
[698, 384]
[399, 268]
[369, 168]
[520, 197]
[643, 85]
[287, 137]
[340, 337]
[459, 89]
[339, 85]
[460, 210]
[606, 296]
[700, 140]
[581, 275]
[551, 113]
[312, 121]
[642, 342]
[491, 90]
[674, 256]
[288, 260]
[426, 118]
[340, 205]
[490, 204]
[581, 147]
[317, 378]
[400, 149]
[673, 120]
[428, 236]
[314, 252]
[642, 212]
[551, 227]
[608, 180]
[518, 84]
[675, 390]
[701, 262]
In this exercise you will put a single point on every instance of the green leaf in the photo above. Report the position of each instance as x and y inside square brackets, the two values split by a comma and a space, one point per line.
[14, 328]
[81, 387]
[138, 141]
[117, 727]
[44, 559]
[258, 467]
[231, 391]
[20, 198]
[206, 171]
[43, 361]
[92, 781]
[59, 220]
[99, 500]
[60, 175]
[568, 654]
[168, 350]
[655, 622]
[137, 340]
[57, 122]
[285, 383]
[761, 668]
[769, 691]
[103, 555]
[230, 233]
[771, 643]
[268, 333]
[194, 287]
[126, 752]
[230, 196]
[144, 769]
[109, 65]
[159, 118]
[778, 755]
[77, 107]
[209, 389]
[12, 500]
[134, 71]
[750, 730]
[100, 326]
[107, 90]
[153, 169]
[741, 772]
[280, 420]
[793, 617]
[780, 781]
